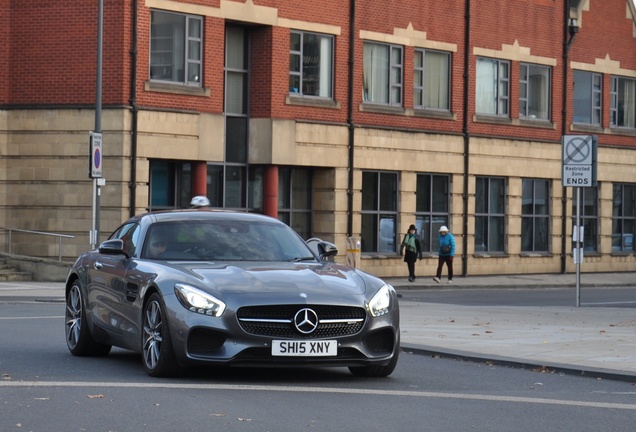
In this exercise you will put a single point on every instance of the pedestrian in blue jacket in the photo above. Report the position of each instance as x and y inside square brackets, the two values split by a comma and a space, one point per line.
[446, 253]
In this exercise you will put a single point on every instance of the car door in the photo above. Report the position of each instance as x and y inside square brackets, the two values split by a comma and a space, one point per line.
[107, 293]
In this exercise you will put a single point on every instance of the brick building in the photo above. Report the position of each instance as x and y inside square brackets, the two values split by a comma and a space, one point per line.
[346, 119]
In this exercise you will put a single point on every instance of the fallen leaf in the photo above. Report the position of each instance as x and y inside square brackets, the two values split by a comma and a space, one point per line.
[476, 334]
[488, 331]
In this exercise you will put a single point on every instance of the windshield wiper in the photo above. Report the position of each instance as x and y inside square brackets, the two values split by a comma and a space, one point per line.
[307, 258]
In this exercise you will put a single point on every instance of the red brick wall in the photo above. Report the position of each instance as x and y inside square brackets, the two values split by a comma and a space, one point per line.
[213, 60]
[331, 12]
[534, 25]
[55, 65]
[605, 30]
[442, 22]
[53, 52]
[4, 50]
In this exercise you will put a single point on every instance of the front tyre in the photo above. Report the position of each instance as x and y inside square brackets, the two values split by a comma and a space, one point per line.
[79, 340]
[158, 355]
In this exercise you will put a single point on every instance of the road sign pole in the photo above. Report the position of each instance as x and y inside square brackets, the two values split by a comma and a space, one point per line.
[94, 234]
[578, 255]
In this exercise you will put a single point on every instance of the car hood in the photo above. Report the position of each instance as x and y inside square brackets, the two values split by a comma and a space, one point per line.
[277, 278]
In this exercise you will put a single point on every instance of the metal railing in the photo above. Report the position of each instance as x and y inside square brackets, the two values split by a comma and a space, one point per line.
[59, 236]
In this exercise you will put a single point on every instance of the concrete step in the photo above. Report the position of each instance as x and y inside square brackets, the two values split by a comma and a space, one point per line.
[12, 273]
[15, 275]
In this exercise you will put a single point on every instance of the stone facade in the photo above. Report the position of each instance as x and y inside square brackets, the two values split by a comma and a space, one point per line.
[44, 184]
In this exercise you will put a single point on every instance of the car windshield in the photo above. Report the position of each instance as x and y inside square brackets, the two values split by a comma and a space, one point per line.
[224, 240]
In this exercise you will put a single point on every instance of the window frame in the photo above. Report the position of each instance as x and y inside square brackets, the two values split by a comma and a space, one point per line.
[394, 70]
[186, 56]
[620, 219]
[588, 220]
[302, 74]
[500, 102]
[376, 208]
[289, 207]
[524, 112]
[615, 96]
[428, 218]
[489, 216]
[593, 97]
[420, 85]
[533, 217]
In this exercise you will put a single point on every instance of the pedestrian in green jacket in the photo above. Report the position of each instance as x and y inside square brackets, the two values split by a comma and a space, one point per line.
[412, 249]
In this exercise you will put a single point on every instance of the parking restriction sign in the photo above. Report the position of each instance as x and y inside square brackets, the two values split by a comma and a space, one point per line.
[579, 160]
[96, 156]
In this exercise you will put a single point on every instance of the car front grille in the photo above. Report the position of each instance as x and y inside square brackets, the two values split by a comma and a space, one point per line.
[278, 321]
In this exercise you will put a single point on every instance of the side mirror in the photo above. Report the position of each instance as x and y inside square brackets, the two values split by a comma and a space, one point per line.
[113, 247]
[323, 249]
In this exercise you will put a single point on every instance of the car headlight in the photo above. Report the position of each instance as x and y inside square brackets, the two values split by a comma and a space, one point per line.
[381, 301]
[198, 301]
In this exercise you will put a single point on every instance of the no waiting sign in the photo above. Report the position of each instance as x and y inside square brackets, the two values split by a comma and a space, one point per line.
[579, 160]
[95, 156]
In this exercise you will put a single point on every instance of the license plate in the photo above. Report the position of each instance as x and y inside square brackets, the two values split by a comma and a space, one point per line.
[323, 348]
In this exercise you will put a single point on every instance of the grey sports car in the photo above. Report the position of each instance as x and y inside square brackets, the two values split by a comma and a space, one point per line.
[215, 287]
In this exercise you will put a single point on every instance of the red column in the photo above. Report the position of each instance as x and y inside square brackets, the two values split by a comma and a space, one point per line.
[270, 191]
[199, 178]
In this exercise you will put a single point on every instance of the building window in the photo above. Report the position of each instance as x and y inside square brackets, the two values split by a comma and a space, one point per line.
[235, 187]
[379, 211]
[382, 81]
[170, 184]
[431, 208]
[493, 87]
[431, 80]
[623, 102]
[589, 217]
[490, 214]
[535, 215]
[294, 199]
[310, 64]
[175, 47]
[623, 217]
[534, 92]
[235, 184]
[587, 97]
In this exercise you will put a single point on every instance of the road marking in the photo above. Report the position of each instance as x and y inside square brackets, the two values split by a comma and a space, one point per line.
[608, 303]
[314, 390]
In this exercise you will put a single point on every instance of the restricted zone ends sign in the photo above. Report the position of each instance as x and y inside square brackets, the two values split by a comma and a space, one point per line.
[579, 160]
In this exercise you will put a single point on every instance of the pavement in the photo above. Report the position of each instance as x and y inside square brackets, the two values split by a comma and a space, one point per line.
[596, 341]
